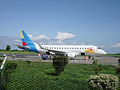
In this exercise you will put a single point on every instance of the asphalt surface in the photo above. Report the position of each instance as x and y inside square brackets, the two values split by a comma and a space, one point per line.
[106, 60]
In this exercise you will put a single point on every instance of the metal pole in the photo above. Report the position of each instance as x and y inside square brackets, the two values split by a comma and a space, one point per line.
[3, 63]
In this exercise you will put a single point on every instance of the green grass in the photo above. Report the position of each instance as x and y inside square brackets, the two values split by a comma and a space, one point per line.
[16, 52]
[39, 76]
[2, 56]
[114, 55]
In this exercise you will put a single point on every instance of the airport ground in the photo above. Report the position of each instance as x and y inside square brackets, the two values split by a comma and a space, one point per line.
[39, 76]
[106, 60]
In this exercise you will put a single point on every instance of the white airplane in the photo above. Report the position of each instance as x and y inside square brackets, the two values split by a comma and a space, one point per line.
[70, 50]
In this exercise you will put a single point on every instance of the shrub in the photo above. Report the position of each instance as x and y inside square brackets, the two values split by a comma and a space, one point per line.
[9, 68]
[59, 63]
[95, 62]
[97, 70]
[28, 62]
[117, 69]
[1, 60]
[97, 67]
[103, 82]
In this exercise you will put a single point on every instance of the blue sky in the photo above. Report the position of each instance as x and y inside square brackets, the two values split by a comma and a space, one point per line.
[89, 21]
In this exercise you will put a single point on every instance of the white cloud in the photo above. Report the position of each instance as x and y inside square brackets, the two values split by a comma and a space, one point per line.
[38, 37]
[117, 45]
[60, 42]
[64, 35]
[56, 42]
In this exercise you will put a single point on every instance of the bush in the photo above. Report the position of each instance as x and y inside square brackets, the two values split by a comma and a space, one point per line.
[28, 62]
[1, 60]
[95, 62]
[97, 70]
[9, 68]
[118, 69]
[97, 67]
[59, 63]
[103, 82]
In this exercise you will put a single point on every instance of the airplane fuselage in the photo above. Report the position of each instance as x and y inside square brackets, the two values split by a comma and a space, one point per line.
[70, 50]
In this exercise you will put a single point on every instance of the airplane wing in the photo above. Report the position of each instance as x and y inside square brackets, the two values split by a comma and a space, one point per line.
[56, 52]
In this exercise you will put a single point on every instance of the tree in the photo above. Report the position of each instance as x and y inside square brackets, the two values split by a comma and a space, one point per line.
[59, 63]
[8, 48]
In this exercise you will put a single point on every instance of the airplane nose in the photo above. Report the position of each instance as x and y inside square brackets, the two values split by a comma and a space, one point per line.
[104, 52]
[100, 51]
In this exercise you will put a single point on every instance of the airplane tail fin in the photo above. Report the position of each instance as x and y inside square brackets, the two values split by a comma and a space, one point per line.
[25, 39]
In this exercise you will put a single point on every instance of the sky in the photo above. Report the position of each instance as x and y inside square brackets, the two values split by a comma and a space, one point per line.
[94, 22]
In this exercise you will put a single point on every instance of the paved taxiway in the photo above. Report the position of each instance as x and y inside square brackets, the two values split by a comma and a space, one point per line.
[101, 60]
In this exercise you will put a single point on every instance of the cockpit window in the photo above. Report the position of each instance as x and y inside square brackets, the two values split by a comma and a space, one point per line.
[98, 48]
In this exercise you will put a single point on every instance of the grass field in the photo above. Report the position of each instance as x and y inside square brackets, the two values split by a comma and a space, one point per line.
[114, 55]
[16, 52]
[39, 76]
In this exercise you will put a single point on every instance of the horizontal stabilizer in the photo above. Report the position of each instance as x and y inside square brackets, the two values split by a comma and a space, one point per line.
[22, 47]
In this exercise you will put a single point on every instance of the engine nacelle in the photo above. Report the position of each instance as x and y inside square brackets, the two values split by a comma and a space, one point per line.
[72, 54]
